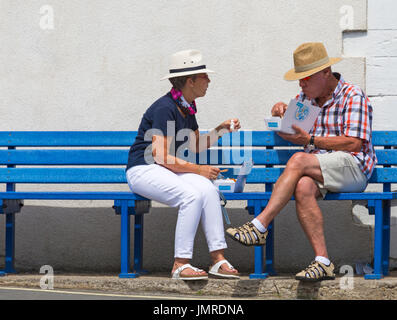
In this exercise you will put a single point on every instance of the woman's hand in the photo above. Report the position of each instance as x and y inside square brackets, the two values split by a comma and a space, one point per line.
[209, 172]
[229, 126]
[279, 109]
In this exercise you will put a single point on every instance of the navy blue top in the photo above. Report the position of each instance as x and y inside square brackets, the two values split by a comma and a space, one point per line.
[162, 113]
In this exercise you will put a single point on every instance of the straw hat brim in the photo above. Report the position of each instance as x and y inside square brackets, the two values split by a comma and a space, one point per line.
[186, 73]
[292, 75]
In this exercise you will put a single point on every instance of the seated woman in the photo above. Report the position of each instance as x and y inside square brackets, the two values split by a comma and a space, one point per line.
[158, 170]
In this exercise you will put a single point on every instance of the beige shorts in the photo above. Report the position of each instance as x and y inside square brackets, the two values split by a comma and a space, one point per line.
[341, 173]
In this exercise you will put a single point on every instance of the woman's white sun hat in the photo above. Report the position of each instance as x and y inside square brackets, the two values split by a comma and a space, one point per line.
[186, 62]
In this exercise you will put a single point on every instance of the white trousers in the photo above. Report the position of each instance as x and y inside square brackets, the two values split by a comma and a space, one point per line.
[196, 197]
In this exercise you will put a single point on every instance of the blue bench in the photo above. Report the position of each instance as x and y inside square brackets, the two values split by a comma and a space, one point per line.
[100, 158]
[52, 158]
[269, 150]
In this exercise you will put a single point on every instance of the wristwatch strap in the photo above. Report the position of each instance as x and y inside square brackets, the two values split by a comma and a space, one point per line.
[311, 143]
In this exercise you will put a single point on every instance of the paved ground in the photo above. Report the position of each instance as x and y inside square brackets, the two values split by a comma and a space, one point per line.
[14, 293]
[160, 286]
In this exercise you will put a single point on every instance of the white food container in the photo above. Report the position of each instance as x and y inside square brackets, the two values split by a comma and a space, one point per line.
[225, 185]
[273, 123]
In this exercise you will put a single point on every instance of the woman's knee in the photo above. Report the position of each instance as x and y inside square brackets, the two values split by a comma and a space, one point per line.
[202, 186]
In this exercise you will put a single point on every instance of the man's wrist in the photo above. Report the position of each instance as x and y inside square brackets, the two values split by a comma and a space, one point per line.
[312, 141]
[311, 145]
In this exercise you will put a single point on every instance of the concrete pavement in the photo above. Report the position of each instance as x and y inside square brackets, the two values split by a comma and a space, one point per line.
[283, 287]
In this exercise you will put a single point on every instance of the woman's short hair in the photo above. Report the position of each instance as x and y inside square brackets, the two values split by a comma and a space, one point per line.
[179, 82]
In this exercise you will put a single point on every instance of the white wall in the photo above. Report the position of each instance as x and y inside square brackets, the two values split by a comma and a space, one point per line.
[378, 45]
[99, 69]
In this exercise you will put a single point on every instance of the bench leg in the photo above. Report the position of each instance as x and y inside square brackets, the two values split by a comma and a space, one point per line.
[125, 242]
[382, 233]
[258, 272]
[138, 244]
[386, 237]
[270, 251]
[9, 245]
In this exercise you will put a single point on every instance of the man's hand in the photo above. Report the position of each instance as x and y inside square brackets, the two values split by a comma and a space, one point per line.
[301, 137]
[279, 109]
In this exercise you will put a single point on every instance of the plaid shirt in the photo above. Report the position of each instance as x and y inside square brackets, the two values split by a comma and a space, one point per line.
[347, 113]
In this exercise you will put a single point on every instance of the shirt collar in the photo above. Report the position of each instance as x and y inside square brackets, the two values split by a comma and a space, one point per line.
[340, 84]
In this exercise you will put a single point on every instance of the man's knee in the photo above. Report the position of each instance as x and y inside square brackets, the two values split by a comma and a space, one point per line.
[306, 164]
[305, 188]
[297, 161]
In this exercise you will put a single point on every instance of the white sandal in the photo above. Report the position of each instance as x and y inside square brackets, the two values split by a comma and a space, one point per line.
[178, 276]
[216, 271]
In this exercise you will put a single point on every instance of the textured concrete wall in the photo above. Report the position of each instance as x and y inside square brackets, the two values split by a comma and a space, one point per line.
[96, 65]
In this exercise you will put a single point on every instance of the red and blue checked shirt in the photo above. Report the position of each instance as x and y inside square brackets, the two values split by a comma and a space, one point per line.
[347, 113]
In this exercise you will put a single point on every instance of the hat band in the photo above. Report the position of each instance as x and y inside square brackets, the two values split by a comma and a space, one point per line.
[187, 69]
[313, 65]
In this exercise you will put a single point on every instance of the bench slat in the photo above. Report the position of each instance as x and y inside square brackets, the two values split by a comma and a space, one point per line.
[270, 138]
[329, 196]
[384, 138]
[63, 157]
[62, 175]
[75, 195]
[120, 157]
[119, 195]
[272, 157]
[69, 138]
[117, 175]
[253, 138]
[123, 138]
[126, 138]
[270, 175]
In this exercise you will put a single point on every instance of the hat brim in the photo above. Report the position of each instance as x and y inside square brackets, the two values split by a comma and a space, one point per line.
[292, 75]
[186, 73]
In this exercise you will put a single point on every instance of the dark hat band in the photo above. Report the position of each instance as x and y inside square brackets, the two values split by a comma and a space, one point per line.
[187, 69]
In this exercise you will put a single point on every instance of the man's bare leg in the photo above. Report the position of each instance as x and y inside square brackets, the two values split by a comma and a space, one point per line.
[301, 164]
[310, 215]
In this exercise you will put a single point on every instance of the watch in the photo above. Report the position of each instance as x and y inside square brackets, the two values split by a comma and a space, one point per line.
[311, 145]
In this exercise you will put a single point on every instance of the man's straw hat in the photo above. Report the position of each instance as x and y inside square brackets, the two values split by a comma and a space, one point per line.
[186, 62]
[309, 58]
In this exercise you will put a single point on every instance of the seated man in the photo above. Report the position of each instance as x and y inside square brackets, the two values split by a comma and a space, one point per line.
[338, 155]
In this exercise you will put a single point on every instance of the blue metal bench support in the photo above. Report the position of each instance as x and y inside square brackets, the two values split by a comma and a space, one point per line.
[9, 266]
[386, 236]
[382, 239]
[270, 236]
[10, 244]
[125, 242]
[138, 244]
[126, 208]
[269, 266]
[258, 270]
